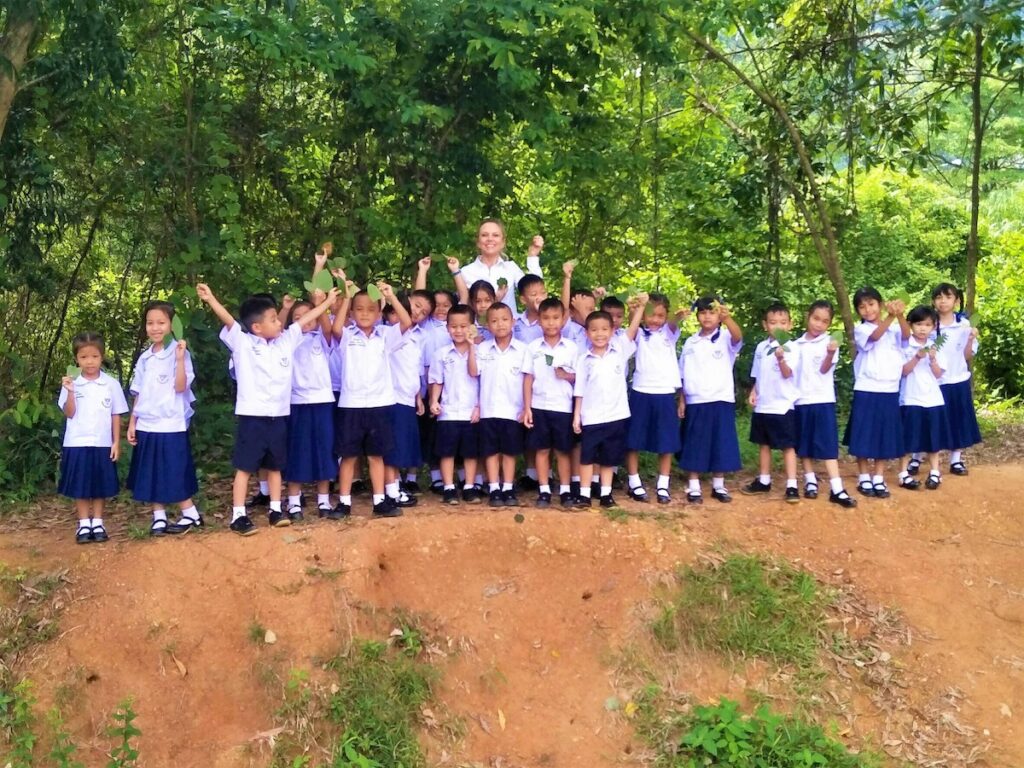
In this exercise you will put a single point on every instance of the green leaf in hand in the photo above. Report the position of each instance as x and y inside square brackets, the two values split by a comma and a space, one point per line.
[73, 372]
[353, 290]
[940, 340]
[837, 337]
[323, 281]
[502, 283]
[168, 340]
[782, 336]
[338, 263]
[177, 328]
[309, 286]
[374, 292]
[549, 359]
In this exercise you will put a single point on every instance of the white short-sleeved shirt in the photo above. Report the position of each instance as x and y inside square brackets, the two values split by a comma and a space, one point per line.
[814, 386]
[503, 268]
[775, 393]
[921, 386]
[460, 392]
[501, 379]
[657, 369]
[158, 408]
[705, 365]
[574, 332]
[366, 366]
[601, 383]
[526, 331]
[951, 356]
[96, 402]
[878, 366]
[550, 393]
[263, 369]
[311, 370]
[408, 365]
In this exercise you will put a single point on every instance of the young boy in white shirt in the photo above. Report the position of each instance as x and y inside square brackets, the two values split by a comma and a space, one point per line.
[455, 401]
[499, 364]
[774, 395]
[367, 394]
[262, 356]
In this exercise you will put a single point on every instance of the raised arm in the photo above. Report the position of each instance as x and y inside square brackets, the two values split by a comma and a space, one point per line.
[206, 295]
[533, 256]
[735, 332]
[404, 321]
[461, 289]
[422, 267]
[639, 304]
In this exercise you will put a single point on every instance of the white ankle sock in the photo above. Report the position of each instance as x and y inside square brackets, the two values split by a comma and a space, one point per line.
[836, 484]
[810, 477]
[765, 479]
[717, 483]
[378, 498]
[190, 512]
[161, 514]
[634, 481]
[878, 480]
[323, 500]
[693, 486]
[237, 512]
[294, 501]
[544, 489]
[662, 483]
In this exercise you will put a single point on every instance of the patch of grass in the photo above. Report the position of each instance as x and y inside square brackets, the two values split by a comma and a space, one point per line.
[746, 606]
[615, 514]
[257, 633]
[722, 735]
[137, 531]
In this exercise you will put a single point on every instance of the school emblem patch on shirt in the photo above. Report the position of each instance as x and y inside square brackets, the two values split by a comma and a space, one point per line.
[163, 378]
[285, 362]
[718, 354]
[106, 402]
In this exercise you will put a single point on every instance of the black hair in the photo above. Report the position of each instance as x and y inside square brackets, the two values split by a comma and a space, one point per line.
[482, 285]
[776, 307]
[599, 314]
[551, 303]
[291, 310]
[498, 306]
[705, 303]
[164, 306]
[658, 300]
[526, 281]
[948, 289]
[461, 309]
[442, 292]
[611, 302]
[88, 339]
[403, 299]
[427, 296]
[253, 309]
[923, 312]
[577, 291]
[867, 292]
[822, 304]
[268, 296]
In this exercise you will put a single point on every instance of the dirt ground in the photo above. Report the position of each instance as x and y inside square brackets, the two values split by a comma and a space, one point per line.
[531, 623]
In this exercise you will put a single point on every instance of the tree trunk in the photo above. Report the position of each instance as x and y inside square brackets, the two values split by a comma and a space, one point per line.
[978, 137]
[22, 18]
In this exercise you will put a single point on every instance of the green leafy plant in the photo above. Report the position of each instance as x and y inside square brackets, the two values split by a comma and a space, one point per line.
[124, 754]
[17, 723]
[62, 748]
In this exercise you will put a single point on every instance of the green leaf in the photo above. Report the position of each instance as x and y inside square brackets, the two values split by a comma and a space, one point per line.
[549, 359]
[73, 372]
[168, 340]
[353, 290]
[374, 292]
[323, 281]
[782, 336]
[940, 340]
[336, 263]
[502, 282]
[837, 337]
[309, 286]
[177, 328]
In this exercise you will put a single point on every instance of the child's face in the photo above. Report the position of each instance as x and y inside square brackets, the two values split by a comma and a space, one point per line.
[655, 317]
[390, 316]
[818, 322]
[89, 359]
[708, 319]
[482, 302]
[419, 308]
[944, 303]
[618, 314]
[458, 327]
[869, 309]
[533, 296]
[158, 325]
[490, 240]
[268, 326]
[599, 331]
[777, 321]
[366, 312]
[298, 313]
[551, 322]
[441, 306]
[499, 323]
[587, 305]
[922, 329]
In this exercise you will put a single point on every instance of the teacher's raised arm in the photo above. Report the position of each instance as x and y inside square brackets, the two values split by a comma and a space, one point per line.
[492, 265]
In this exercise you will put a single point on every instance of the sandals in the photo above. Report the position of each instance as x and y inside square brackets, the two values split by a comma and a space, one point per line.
[638, 494]
[810, 490]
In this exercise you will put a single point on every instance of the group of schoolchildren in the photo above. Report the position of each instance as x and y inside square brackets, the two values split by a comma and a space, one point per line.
[466, 384]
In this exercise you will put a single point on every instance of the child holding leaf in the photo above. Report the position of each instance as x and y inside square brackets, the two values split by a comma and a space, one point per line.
[773, 424]
[162, 471]
[93, 403]
[817, 353]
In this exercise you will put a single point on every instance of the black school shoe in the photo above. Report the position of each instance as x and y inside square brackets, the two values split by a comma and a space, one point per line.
[958, 468]
[184, 525]
[865, 488]
[495, 499]
[567, 500]
[338, 512]
[843, 499]
[99, 534]
[544, 500]
[810, 490]
[83, 536]
[412, 487]
[792, 495]
[908, 483]
[695, 497]
[913, 466]
[638, 494]
[882, 491]
[664, 497]
[471, 495]
[755, 487]
[932, 482]
[527, 483]
[583, 502]
[437, 487]
[258, 499]
[406, 500]
[243, 526]
[450, 496]
[386, 508]
[158, 528]
[607, 501]
[509, 499]
[278, 519]
[720, 495]
[295, 515]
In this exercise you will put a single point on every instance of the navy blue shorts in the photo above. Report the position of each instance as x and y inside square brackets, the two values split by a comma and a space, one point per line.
[604, 444]
[709, 438]
[261, 442]
[162, 471]
[405, 431]
[818, 431]
[503, 436]
[363, 432]
[776, 430]
[456, 439]
[551, 430]
[87, 473]
[653, 423]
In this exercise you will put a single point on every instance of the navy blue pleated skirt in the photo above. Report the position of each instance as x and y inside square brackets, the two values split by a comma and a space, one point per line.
[963, 421]
[311, 444]
[875, 429]
[405, 427]
[818, 431]
[653, 423]
[87, 473]
[162, 470]
[925, 430]
[709, 441]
